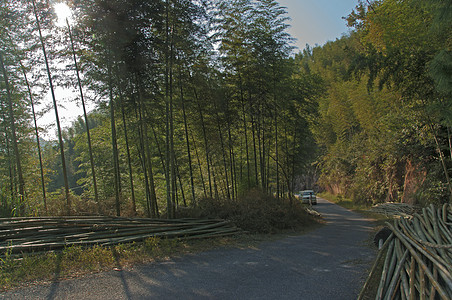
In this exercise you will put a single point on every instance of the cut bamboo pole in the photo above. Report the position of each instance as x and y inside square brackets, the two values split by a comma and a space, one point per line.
[418, 262]
[40, 234]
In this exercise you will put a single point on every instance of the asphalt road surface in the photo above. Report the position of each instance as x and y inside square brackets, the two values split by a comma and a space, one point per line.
[328, 263]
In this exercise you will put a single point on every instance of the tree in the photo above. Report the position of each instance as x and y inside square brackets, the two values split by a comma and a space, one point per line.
[406, 57]
[14, 137]
[82, 99]
[55, 106]
[38, 143]
[242, 108]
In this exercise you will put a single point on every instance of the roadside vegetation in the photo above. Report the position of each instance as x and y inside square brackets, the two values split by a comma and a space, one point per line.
[345, 202]
[385, 120]
[73, 261]
[257, 212]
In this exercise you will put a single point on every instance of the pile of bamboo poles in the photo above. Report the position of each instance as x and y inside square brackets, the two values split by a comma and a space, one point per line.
[416, 259]
[394, 209]
[40, 234]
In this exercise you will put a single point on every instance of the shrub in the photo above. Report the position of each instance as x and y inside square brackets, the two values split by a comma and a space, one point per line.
[255, 212]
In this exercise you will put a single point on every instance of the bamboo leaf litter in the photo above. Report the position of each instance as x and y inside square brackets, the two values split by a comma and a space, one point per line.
[50, 233]
[416, 257]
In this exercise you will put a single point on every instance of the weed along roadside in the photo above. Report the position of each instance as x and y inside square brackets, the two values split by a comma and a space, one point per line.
[76, 260]
[45, 249]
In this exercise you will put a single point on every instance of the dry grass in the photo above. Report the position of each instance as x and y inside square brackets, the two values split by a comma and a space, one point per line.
[256, 212]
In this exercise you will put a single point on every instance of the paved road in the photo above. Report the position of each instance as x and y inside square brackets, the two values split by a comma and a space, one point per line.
[328, 263]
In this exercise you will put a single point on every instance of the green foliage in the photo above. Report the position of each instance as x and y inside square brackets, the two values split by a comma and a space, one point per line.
[151, 244]
[441, 72]
[80, 205]
[7, 265]
[379, 144]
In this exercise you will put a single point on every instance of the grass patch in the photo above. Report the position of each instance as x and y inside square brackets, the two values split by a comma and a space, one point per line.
[73, 261]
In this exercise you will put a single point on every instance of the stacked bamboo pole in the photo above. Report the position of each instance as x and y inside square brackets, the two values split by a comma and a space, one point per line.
[40, 234]
[416, 259]
[394, 209]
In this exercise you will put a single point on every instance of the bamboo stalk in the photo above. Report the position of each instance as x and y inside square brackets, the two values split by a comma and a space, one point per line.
[385, 271]
[438, 261]
[404, 285]
[395, 281]
[422, 264]
[418, 260]
[374, 267]
[412, 292]
[421, 283]
[392, 267]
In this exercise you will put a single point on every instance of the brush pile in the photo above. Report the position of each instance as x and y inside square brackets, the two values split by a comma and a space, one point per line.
[415, 262]
[41, 234]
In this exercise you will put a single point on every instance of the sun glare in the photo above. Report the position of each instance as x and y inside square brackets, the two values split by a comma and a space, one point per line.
[63, 12]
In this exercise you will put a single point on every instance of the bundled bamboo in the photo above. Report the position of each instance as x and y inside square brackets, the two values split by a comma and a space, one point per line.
[417, 257]
[37, 234]
[394, 209]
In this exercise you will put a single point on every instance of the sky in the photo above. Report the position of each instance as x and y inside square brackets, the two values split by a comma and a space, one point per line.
[317, 21]
[312, 22]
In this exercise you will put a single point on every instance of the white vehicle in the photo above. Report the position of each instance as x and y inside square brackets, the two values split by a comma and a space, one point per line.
[308, 197]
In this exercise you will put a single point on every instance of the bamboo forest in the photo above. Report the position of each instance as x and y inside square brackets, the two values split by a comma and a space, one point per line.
[188, 102]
